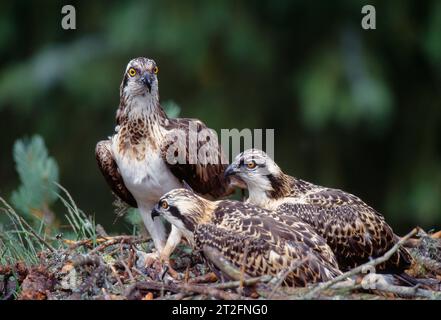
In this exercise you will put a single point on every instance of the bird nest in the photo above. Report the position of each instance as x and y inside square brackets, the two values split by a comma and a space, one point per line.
[115, 268]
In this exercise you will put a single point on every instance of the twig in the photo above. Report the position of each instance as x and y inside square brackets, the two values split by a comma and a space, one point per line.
[115, 273]
[215, 290]
[294, 265]
[408, 292]
[126, 267]
[139, 272]
[380, 284]
[325, 285]
[245, 282]
[187, 274]
[115, 240]
[88, 242]
[221, 263]
[182, 288]
[36, 235]
[30, 229]
[210, 291]
[177, 296]
[208, 277]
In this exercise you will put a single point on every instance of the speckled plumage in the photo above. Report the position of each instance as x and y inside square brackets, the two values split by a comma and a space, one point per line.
[354, 230]
[249, 237]
[134, 162]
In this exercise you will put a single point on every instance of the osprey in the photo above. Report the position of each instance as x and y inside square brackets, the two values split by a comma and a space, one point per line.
[353, 230]
[136, 160]
[248, 238]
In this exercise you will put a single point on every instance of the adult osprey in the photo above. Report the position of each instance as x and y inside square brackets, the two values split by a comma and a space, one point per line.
[137, 161]
[233, 235]
[353, 230]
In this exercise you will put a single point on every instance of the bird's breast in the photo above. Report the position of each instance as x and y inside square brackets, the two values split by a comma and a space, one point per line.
[144, 172]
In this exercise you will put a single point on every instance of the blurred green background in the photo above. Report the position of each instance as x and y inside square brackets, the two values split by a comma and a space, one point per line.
[353, 109]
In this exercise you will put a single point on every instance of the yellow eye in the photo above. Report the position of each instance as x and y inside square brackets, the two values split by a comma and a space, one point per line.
[155, 70]
[251, 164]
[164, 204]
[132, 72]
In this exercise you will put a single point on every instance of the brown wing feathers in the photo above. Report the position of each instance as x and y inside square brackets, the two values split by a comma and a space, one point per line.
[109, 169]
[354, 231]
[206, 179]
[250, 238]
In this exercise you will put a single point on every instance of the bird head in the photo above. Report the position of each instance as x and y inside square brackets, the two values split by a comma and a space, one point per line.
[184, 209]
[140, 78]
[258, 171]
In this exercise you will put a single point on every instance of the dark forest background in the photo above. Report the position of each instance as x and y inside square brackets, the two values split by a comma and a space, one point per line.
[352, 109]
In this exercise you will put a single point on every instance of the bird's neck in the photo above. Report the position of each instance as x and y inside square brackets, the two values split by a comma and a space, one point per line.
[205, 211]
[209, 212]
[281, 186]
[264, 193]
[259, 197]
[141, 108]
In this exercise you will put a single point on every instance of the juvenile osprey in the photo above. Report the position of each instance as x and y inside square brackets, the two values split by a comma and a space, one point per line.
[353, 230]
[247, 236]
[135, 160]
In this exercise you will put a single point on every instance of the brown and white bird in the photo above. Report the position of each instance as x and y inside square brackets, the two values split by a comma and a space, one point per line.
[136, 160]
[353, 230]
[248, 238]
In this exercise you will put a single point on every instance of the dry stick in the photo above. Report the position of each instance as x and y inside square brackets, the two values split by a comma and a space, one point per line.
[187, 274]
[115, 273]
[208, 277]
[231, 271]
[283, 276]
[407, 292]
[139, 272]
[184, 288]
[210, 290]
[126, 266]
[221, 263]
[131, 259]
[382, 285]
[36, 235]
[323, 286]
[75, 244]
[245, 282]
[177, 296]
[107, 244]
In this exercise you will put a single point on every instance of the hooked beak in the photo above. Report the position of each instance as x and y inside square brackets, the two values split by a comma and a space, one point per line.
[147, 80]
[230, 171]
[155, 212]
